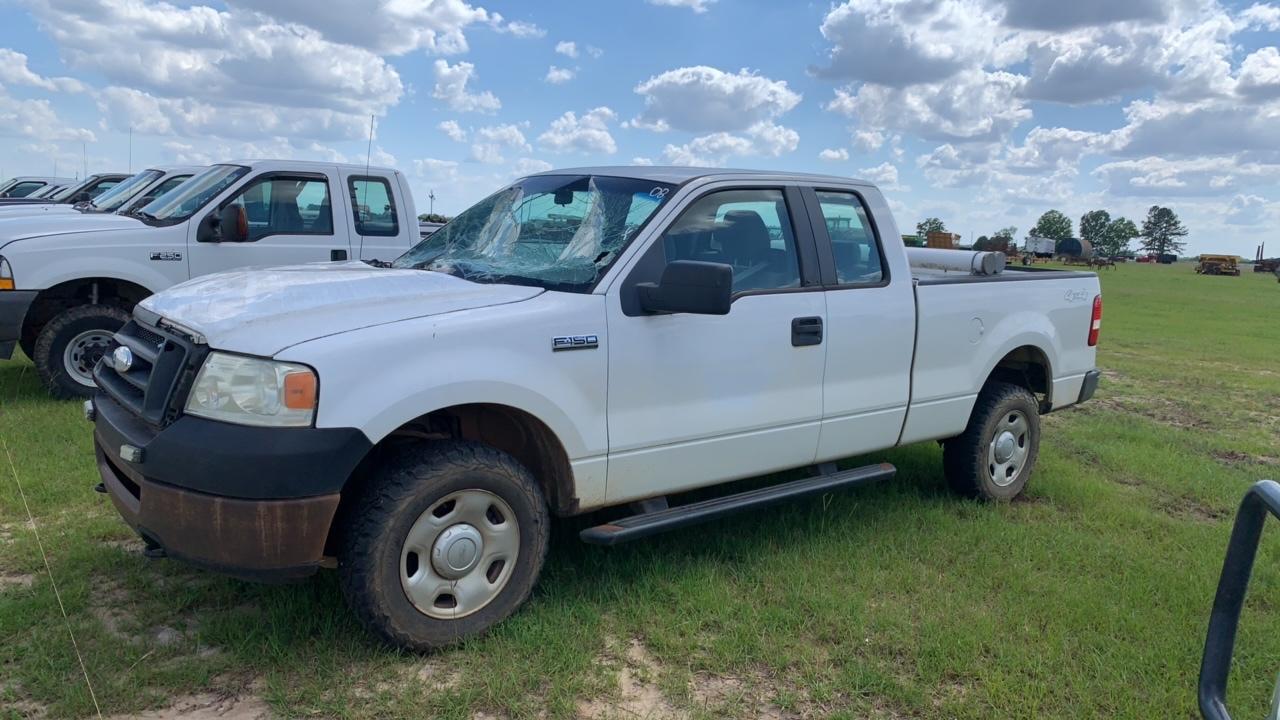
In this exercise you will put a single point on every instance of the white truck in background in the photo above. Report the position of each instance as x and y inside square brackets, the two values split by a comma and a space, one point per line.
[124, 196]
[24, 185]
[68, 283]
[581, 339]
[78, 192]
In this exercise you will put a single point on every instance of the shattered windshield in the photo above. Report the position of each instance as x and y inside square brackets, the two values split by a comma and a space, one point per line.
[559, 232]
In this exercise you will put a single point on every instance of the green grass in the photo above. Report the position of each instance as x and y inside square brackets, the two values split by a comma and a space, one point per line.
[1088, 599]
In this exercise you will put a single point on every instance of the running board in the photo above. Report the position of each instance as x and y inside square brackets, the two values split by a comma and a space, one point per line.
[652, 523]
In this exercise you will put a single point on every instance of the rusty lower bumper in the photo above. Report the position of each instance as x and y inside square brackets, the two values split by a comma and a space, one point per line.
[262, 540]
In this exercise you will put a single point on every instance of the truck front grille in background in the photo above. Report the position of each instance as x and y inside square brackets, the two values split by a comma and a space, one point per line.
[161, 365]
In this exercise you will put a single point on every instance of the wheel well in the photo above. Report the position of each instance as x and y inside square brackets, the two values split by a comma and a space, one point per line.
[74, 293]
[513, 431]
[1027, 367]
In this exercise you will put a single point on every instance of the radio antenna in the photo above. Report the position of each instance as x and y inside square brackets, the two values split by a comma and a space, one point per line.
[368, 154]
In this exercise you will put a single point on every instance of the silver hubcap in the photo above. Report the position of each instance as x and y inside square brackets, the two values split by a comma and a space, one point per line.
[1009, 448]
[459, 554]
[83, 353]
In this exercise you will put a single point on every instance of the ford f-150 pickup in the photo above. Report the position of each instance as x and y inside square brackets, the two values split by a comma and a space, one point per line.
[68, 282]
[580, 339]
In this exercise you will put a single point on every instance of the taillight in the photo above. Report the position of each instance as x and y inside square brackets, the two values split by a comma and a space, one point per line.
[1095, 325]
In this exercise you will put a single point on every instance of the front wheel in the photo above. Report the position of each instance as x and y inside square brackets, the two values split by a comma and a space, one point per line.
[67, 349]
[445, 542]
[993, 458]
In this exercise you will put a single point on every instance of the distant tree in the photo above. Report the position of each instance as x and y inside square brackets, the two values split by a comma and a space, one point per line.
[981, 243]
[1007, 233]
[929, 225]
[1118, 235]
[433, 217]
[1053, 224]
[1093, 229]
[1161, 232]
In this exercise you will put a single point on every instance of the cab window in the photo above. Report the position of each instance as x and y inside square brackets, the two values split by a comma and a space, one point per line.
[23, 189]
[748, 229]
[373, 207]
[283, 205]
[858, 259]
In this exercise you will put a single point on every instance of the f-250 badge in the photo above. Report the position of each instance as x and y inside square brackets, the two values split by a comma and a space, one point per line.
[575, 342]
[166, 256]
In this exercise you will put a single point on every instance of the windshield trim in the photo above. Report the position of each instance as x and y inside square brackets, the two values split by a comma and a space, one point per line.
[146, 178]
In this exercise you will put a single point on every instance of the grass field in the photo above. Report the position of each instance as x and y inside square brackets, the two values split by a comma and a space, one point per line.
[1087, 599]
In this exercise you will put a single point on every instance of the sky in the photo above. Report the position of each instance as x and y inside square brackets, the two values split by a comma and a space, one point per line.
[984, 113]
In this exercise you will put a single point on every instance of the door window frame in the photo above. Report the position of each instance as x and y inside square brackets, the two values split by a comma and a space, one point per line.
[652, 261]
[825, 251]
[283, 175]
[391, 197]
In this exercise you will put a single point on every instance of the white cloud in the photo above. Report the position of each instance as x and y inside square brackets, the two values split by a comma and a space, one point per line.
[559, 75]
[1160, 177]
[698, 6]
[1260, 75]
[434, 170]
[884, 175]
[521, 29]
[568, 48]
[1210, 127]
[834, 155]
[868, 140]
[14, 71]
[1046, 150]
[715, 149]
[701, 99]
[903, 42]
[1058, 15]
[1247, 210]
[973, 106]
[453, 130]
[36, 119]
[594, 51]
[147, 114]
[492, 141]
[392, 27]
[586, 134]
[451, 88]
[1261, 16]
[528, 166]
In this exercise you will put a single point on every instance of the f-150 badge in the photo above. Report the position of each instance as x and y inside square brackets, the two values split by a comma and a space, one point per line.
[575, 342]
[166, 256]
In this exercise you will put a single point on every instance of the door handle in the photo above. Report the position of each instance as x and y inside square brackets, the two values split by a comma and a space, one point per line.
[806, 331]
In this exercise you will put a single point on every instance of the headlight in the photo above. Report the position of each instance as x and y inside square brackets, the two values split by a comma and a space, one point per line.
[6, 275]
[250, 391]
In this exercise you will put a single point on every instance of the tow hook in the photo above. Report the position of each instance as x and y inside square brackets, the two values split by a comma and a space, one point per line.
[90, 412]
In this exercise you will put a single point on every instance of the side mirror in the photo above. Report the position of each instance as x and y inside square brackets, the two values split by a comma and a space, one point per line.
[227, 225]
[689, 286]
[82, 196]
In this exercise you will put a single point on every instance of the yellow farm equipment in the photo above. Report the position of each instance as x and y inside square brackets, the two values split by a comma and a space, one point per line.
[1218, 265]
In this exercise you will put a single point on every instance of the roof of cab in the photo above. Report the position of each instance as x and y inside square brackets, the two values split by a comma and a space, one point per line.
[681, 174]
[304, 164]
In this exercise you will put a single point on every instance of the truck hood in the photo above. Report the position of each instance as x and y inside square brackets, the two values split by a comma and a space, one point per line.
[22, 227]
[261, 312]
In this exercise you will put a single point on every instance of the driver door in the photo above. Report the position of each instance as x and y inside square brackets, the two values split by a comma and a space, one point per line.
[290, 222]
[700, 399]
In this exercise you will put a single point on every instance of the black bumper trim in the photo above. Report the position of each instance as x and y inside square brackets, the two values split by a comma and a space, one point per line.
[1090, 385]
[235, 461]
[13, 310]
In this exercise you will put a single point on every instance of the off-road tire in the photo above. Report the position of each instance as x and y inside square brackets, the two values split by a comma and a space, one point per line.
[61, 330]
[408, 481]
[965, 457]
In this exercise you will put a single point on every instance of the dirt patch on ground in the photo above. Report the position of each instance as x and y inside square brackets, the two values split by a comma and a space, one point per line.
[1234, 458]
[9, 581]
[1158, 409]
[114, 608]
[208, 706]
[1189, 508]
[437, 677]
[638, 693]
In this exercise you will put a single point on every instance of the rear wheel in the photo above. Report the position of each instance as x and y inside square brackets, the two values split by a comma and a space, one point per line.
[447, 541]
[993, 458]
[70, 345]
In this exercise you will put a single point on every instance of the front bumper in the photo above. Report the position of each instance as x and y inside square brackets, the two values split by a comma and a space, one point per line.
[13, 310]
[255, 503]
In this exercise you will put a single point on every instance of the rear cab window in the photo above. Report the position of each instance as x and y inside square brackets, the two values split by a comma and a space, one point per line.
[373, 206]
[858, 259]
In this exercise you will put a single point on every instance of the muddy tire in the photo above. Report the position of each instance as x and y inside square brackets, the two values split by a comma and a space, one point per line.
[69, 346]
[993, 458]
[447, 540]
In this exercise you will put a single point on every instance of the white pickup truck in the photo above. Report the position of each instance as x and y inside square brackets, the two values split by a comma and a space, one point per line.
[22, 186]
[68, 282]
[131, 193]
[68, 195]
[580, 339]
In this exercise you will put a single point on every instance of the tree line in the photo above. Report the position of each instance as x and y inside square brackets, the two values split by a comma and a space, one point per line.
[1161, 232]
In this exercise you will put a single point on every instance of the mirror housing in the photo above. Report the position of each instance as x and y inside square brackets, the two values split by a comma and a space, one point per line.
[81, 197]
[230, 224]
[689, 286]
